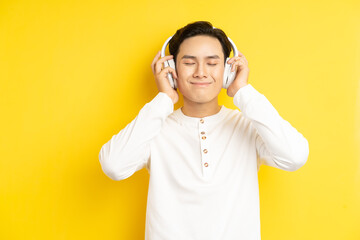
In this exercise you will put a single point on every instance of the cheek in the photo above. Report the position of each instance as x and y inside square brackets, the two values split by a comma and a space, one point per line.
[219, 73]
[183, 72]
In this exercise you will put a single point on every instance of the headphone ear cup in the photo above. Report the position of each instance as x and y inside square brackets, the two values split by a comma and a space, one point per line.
[169, 75]
[172, 65]
[226, 73]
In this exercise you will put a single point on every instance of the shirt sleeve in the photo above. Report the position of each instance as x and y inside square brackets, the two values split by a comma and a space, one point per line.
[278, 144]
[129, 151]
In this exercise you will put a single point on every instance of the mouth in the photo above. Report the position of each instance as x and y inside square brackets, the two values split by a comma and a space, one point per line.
[201, 84]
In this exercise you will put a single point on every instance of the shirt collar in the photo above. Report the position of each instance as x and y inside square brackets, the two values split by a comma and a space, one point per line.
[195, 121]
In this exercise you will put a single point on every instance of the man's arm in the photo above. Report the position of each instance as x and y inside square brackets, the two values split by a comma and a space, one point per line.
[128, 151]
[278, 144]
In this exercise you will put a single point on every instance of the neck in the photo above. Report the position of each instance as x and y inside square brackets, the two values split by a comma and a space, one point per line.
[200, 110]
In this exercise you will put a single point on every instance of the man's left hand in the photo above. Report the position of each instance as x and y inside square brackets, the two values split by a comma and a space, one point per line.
[240, 65]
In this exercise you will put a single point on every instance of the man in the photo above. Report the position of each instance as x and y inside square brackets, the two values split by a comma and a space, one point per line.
[203, 158]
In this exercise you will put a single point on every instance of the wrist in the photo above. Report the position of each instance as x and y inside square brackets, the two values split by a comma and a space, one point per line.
[241, 85]
[173, 98]
[234, 88]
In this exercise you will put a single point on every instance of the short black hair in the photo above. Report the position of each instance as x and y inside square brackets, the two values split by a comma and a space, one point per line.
[199, 28]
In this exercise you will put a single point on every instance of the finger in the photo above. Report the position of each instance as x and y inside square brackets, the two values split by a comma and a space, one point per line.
[239, 59]
[233, 59]
[169, 69]
[155, 58]
[173, 71]
[237, 63]
[160, 62]
[242, 57]
[154, 61]
[233, 67]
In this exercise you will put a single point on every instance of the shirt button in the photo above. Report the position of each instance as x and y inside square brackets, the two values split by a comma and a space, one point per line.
[203, 137]
[202, 120]
[206, 164]
[202, 133]
[205, 151]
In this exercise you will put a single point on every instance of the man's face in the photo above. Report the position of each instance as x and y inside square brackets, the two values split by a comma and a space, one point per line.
[200, 69]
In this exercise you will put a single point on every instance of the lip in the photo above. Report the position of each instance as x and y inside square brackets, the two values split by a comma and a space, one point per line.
[201, 84]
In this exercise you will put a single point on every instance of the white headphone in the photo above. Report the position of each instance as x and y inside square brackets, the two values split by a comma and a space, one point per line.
[228, 75]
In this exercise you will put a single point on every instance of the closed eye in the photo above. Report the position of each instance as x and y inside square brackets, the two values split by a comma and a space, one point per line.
[194, 63]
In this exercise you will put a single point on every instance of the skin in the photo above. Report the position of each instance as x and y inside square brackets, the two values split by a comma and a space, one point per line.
[199, 77]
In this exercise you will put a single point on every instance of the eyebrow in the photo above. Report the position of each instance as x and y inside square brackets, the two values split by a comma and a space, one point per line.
[193, 57]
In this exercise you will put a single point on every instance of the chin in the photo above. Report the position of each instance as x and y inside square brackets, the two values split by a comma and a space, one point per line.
[200, 98]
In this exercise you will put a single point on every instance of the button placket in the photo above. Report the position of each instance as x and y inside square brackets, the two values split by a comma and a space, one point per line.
[204, 147]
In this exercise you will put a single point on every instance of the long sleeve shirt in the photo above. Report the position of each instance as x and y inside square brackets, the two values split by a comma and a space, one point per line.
[203, 181]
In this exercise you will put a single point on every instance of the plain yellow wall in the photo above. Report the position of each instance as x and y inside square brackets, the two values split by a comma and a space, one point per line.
[74, 73]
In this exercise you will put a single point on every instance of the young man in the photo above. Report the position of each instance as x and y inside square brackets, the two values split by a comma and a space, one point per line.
[203, 158]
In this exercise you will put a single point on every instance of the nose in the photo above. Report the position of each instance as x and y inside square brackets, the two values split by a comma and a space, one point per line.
[200, 71]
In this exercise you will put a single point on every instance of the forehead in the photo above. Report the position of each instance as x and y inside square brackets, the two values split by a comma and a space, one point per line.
[200, 47]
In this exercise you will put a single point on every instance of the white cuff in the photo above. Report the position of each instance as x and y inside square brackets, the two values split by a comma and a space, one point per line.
[243, 96]
[162, 103]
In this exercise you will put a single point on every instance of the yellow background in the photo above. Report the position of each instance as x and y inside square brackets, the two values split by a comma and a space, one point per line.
[74, 73]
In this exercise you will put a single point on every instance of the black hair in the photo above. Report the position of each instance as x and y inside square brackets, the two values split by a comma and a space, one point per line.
[199, 28]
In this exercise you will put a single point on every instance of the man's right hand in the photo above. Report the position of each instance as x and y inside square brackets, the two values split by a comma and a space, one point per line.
[161, 79]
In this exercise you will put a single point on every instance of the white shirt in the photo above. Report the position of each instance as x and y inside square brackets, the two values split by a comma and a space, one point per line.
[204, 171]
